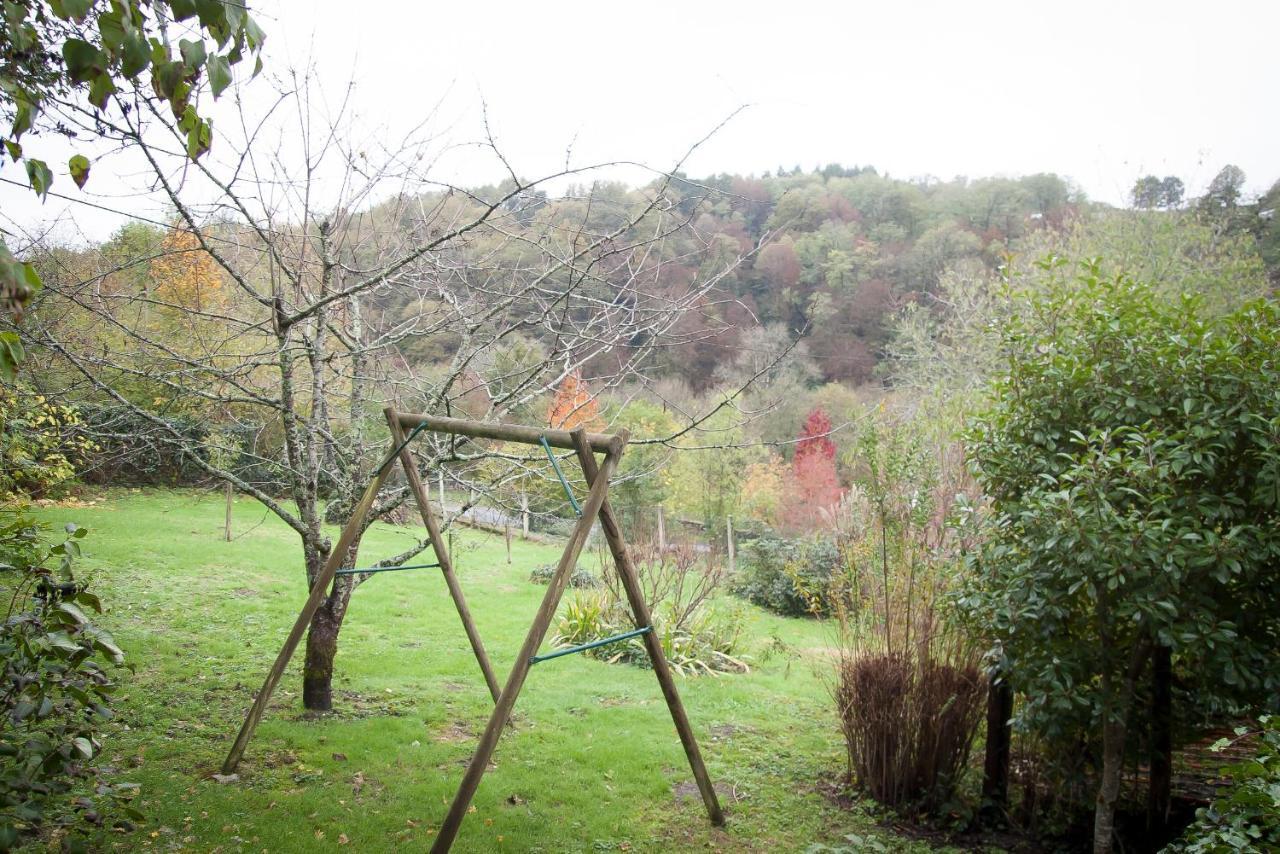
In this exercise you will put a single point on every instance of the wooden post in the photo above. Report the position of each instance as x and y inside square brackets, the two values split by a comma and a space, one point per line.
[653, 645]
[524, 514]
[226, 530]
[533, 640]
[506, 531]
[319, 590]
[443, 557]
[662, 530]
[444, 513]
[728, 535]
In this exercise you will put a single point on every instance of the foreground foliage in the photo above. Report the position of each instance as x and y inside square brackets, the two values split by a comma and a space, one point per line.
[57, 683]
[1132, 459]
[1245, 818]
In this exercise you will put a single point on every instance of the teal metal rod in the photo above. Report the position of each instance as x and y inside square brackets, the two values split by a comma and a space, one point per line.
[635, 633]
[371, 569]
[555, 465]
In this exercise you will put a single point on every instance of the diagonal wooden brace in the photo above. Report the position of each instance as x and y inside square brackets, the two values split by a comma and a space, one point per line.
[442, 552]
[652, 643]
[533, 640]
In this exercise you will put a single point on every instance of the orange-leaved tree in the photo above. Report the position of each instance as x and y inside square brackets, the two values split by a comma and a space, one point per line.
[574, 405]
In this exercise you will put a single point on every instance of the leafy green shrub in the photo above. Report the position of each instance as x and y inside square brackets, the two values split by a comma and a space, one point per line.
[582, 579]
[791, 577]
[1247, 817]
[696, 636]
[39, 447]
[56, 687]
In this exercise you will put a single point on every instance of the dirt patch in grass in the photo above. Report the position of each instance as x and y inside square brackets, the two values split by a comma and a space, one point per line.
[455, 732]
[726, 793]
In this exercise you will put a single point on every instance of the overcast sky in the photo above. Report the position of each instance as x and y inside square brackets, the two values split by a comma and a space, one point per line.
[1101, 92]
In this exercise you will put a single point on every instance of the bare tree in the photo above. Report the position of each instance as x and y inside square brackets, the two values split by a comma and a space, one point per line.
[347, 278]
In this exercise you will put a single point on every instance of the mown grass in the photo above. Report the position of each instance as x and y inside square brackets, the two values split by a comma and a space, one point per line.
[591, 762]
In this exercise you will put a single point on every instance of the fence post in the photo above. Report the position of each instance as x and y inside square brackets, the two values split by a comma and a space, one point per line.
[506, 530]
[444, 513]
[662, 530]
[226, 533]
[733, 561]
[524, 514]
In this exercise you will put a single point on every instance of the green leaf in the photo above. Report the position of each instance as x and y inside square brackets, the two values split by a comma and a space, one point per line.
[100, 89]
[182, 9]
[14, 149]
[136, 55]
[74, 612]
[40, 177]
[84, 61]
[76, 9]
[111, 25]
[24, 116]
[199, 136]
[11, 354]
[253, 33]
[62, 641]
[79, 166]
[85, 747]
[165, 77]
[193, 53]
[219, 74]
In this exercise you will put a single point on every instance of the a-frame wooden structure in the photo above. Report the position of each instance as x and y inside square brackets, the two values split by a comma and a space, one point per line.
[585, 446]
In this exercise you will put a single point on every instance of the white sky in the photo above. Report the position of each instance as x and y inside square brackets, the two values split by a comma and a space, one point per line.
[1101, 92]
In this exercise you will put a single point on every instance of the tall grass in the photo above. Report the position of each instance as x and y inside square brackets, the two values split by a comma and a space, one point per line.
[909, 690]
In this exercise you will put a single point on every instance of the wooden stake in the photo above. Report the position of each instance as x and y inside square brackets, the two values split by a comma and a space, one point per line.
[319, 590]
[524, 514]
[728, 534]
[533, 640]
[443, 556]
[662, 530]
[652, 644]
[226, 531]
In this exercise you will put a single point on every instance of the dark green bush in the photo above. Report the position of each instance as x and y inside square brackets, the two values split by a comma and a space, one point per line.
[791, 577]
[55, 689]
[583, 579]
[1246, 817]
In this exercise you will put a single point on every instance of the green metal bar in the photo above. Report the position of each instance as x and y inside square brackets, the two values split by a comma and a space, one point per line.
[372, 569]
[396, 453]
[555, 465]
[635, 633]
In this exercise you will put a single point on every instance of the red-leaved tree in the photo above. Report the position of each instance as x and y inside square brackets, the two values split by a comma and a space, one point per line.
[815, 487]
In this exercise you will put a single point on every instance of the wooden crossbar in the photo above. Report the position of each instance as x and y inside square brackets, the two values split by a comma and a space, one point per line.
[596, 506]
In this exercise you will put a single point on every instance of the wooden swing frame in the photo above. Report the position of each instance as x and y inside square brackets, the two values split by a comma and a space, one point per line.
[585, 446]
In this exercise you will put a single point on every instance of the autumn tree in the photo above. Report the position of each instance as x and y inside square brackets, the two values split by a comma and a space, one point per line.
[814, 483]
[184, 275]
[573, 405]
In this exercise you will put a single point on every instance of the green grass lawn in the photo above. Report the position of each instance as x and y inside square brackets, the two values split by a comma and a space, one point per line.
[590, 763]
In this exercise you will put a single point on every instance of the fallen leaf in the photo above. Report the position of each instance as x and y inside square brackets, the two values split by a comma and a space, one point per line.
[225, 778]
[342, 839]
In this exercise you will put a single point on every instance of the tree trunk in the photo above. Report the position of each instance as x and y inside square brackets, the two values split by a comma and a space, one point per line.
[995, 767]
[1104, 816]
[1160, 792]
[317, 668]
